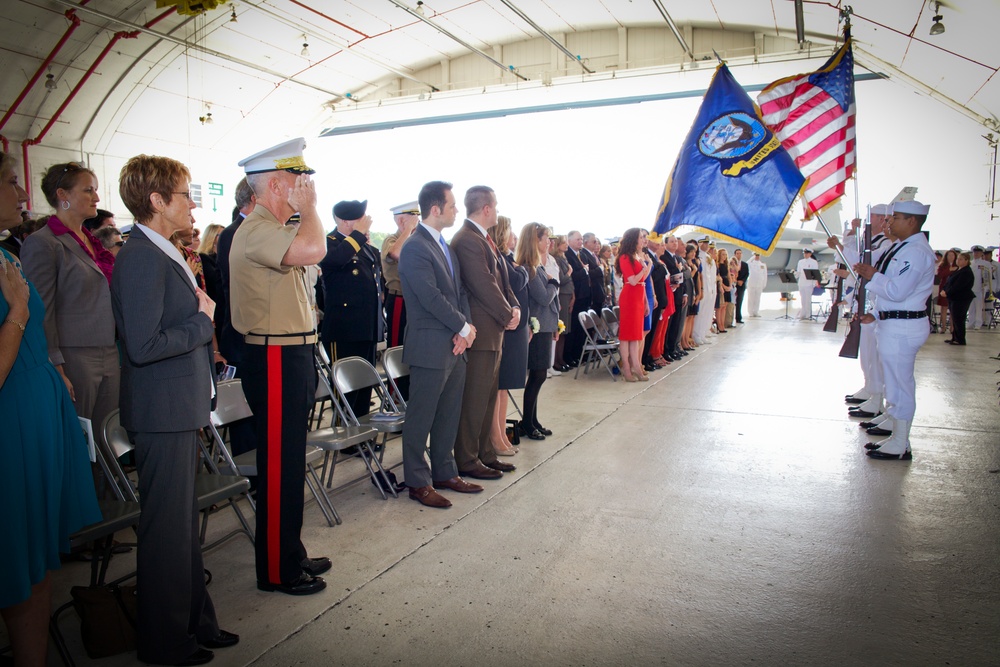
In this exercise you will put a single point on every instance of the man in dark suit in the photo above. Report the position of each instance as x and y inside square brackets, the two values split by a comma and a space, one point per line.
[167, 386]
[438, 333]
[243, 437]
[588, 254]
[494, 309]
[353, 321]
[658, 275]
[582, 294]
[671, 348]
[741, 283]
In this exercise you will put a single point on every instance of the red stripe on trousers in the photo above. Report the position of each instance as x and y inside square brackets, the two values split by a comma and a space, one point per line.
[274, 387]
[397, 315]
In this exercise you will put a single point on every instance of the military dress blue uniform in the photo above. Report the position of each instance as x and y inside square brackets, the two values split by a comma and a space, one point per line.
[353, 320]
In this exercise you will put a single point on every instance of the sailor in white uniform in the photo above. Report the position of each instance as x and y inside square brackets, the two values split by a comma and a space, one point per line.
[806, 285]
[981, 271]
[755, 284]
[902, 285]
[869, 398]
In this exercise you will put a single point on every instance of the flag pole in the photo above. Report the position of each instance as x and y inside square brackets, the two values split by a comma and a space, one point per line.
[840, 253]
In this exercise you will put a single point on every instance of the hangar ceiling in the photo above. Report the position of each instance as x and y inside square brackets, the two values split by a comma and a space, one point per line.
[103, 79]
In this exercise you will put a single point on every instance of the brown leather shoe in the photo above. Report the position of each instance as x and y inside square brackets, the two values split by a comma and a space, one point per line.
[501, 466]
[426, 495]
[458, 484]
[481, 472]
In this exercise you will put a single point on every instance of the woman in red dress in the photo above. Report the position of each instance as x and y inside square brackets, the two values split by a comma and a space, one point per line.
[633, 266]
[947, 266]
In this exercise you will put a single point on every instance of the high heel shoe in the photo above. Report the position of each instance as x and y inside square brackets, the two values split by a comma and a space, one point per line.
[629, 378]
[509, 451]
[644, 378]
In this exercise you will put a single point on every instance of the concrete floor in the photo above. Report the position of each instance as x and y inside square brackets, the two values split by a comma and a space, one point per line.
[722, 514]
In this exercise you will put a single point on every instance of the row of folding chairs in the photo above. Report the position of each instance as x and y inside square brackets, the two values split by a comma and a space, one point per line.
[600, 343]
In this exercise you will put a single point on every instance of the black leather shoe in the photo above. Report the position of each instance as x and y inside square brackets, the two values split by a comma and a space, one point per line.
[572, 364]
[872, 445]
[316, 566]
[878, 430]
[199, 657]
[222, 640]
[867, 424]
[565, 368]
[304, 585]
[882, 456]
[534, 434]
[650, 368]
[862, 414]
[543, 430]
[854, 401]
[501, 466]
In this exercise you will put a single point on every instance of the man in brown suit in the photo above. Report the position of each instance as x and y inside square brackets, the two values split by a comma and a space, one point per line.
[494, 309]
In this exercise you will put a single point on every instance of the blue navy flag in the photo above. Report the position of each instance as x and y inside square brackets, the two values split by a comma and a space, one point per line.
[732, 178]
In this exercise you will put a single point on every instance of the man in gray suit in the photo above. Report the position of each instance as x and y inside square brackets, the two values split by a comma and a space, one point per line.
[167, 386]
[438, 332]
[494, 309]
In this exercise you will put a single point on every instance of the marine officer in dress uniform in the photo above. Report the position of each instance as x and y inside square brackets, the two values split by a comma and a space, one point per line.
[270, 307]
[901, 284]
[353, 321]
[406, 217]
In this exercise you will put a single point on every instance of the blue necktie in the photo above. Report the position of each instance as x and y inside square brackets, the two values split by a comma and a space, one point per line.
[447, 256]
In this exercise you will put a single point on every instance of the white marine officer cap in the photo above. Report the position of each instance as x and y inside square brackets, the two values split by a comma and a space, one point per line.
[286, 156]
[911, 207]
[409, 208]
[880, 209]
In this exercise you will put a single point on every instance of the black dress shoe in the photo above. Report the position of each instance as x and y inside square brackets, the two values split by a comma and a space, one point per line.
[650, 368]
[533, 434]
[872, 445]
[878, 430]
[316, 566]
[304, 585]
[222, 640]
[199, 657]
[543, 430]
[867, 424]
[565, 367]
[879, 454]
[572, 364]
[854, 401]
[862, 414]
[501, 466]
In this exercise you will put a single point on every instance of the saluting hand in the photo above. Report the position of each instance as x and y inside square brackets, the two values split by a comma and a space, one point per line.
[303, 195]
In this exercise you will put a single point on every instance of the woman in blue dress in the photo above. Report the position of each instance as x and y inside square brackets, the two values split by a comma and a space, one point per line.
[46, 488]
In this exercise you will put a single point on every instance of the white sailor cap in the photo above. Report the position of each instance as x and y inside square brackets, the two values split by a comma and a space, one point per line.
[410, 208]
[880, 209]
[977, 247]
[912, 207]
[286, 156]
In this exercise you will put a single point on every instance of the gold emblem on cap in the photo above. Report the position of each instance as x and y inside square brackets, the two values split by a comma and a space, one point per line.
[290, 162]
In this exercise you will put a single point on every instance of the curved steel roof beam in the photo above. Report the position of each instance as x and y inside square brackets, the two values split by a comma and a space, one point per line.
[555, 42]
[454, 37]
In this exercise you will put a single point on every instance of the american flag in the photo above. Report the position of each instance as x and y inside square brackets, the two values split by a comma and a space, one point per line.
[813, 117]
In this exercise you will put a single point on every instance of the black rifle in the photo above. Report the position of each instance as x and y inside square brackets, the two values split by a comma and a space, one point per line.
[853, 340]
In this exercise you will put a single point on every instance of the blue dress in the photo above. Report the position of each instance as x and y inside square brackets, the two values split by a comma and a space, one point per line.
[46, 487]
[647, 318]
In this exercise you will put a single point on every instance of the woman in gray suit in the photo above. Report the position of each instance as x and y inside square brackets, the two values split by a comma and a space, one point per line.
[543, 305]
[165, 322]
[72, 272]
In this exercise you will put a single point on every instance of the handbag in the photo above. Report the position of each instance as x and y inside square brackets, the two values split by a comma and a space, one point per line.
[107, 618]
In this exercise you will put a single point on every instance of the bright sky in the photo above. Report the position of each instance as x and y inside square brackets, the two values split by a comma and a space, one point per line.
[603, 170]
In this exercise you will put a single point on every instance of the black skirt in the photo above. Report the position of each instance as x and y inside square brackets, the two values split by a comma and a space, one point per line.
[540, 351]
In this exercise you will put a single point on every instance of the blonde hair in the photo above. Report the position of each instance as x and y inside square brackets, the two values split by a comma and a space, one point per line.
[207, 245]
[500, 233]
[527, 254]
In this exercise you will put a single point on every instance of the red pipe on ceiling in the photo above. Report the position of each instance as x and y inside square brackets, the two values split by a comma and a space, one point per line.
[76, 89]
[74, 24]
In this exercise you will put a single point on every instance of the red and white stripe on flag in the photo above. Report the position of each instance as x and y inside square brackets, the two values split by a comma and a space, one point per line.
[813, 117]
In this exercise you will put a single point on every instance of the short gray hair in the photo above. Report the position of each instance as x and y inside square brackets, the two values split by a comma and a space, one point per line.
[244, 191]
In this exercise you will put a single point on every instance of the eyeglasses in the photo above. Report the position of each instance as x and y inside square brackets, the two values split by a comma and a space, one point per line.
[186, 195]
[119, 244]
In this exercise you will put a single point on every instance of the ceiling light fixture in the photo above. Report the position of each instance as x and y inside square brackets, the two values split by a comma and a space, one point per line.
[207, 118]
[305, 47]
[420, 8]
[937, 28]
[50, 81]
[232, 17]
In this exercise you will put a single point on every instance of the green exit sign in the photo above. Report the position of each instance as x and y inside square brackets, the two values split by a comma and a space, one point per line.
[215, 189]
